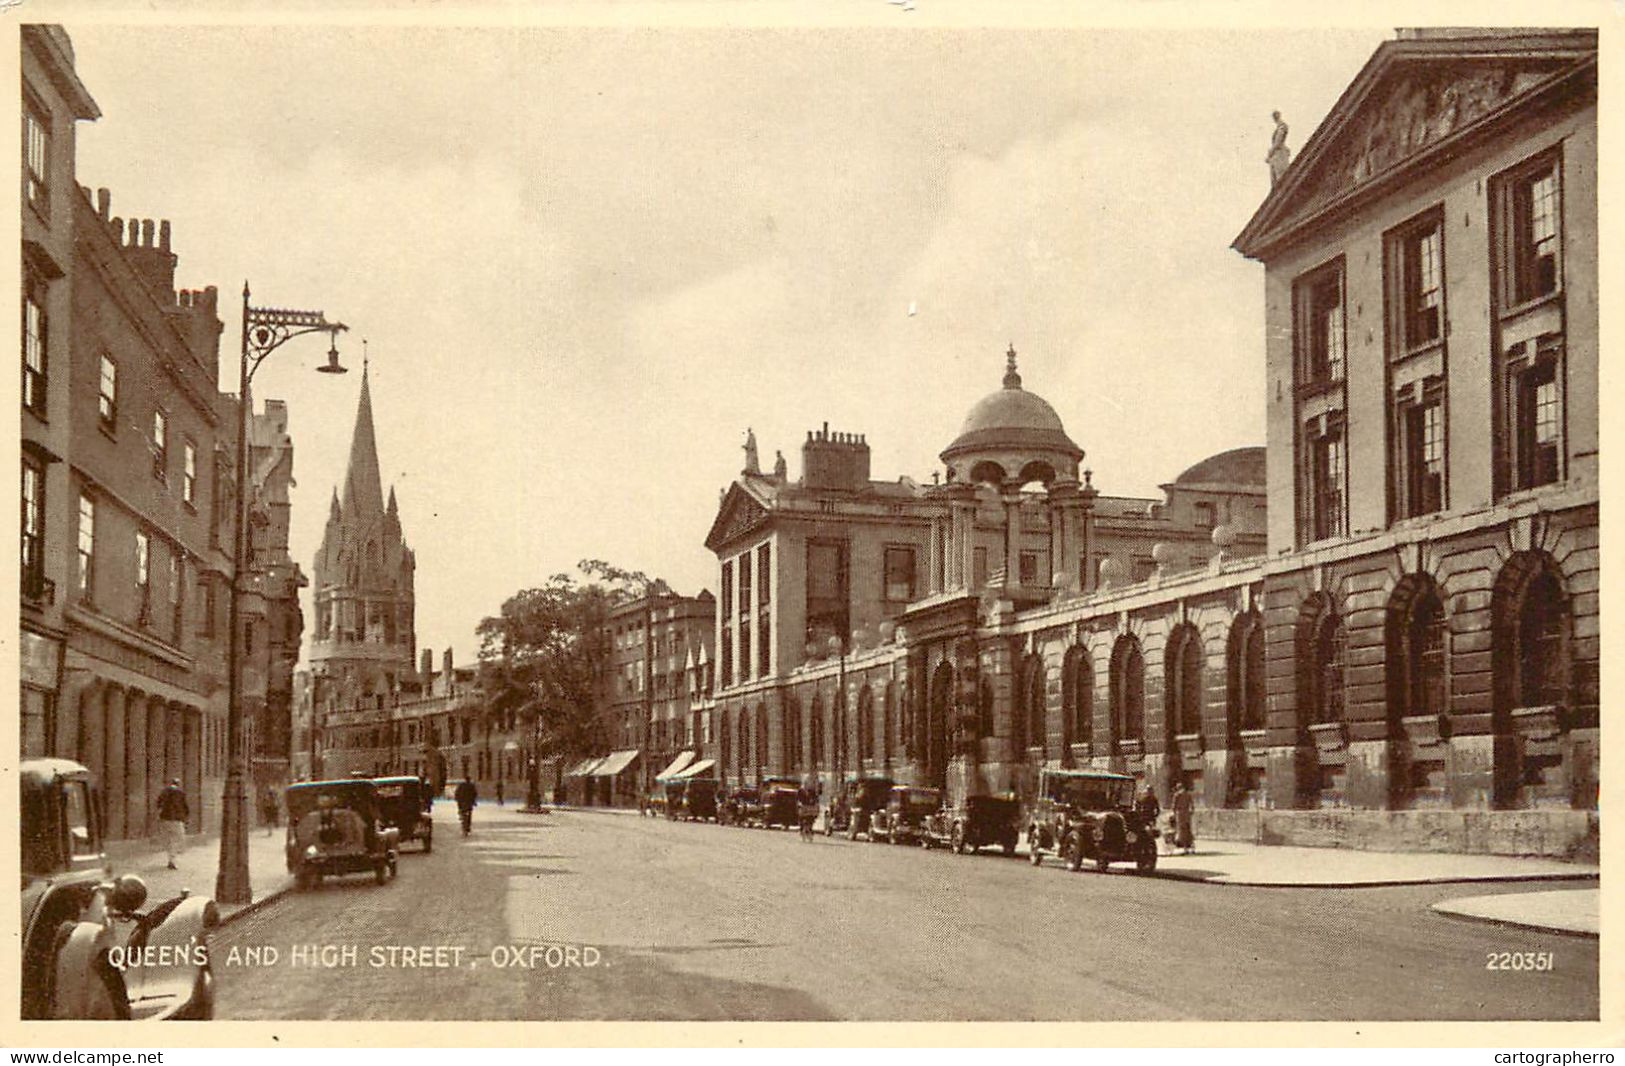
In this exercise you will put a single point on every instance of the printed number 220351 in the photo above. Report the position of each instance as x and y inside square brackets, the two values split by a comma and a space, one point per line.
[1529, 961]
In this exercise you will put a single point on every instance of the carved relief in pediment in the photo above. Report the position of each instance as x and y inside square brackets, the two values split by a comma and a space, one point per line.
[740, 514]
[1417, 108]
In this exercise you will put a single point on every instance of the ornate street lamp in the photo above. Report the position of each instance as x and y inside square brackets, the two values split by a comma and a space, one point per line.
[265, 329]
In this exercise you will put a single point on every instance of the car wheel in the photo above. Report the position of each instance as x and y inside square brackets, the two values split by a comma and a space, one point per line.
[1147, 860]
[959, 838]
[304, 879]
[428, 844]
[1072, 853]
[1009, 846]
[1102, 862]
[382, 872]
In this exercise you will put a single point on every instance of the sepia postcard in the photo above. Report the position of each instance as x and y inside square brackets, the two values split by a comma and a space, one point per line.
[889, 512]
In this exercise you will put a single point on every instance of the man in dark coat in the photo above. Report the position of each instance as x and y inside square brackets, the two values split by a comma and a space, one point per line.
[466, 796]
[173, 811]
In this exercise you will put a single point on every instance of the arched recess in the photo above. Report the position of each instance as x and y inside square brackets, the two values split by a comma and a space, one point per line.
[744, 744]
[1027, 721]
[815, 735]
[1533, 672]
[1036, 470]
[792, 734]
[866, 728]
[1077, 701]
[1183, 684]
[989, 472]
[1244, 676]
[1416, 639]
[1321, 646]
[937, 720]
[761, 739]
[1128, 691]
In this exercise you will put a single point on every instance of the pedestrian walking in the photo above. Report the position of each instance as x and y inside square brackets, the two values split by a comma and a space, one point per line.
[466, 796]
[1184, 809]
[270, 810]
[499, 792]
[173, 811]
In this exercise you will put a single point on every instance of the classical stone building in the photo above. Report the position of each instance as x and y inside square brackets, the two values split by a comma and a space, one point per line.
[363, 646]
[1413, 662]
[1430, 265]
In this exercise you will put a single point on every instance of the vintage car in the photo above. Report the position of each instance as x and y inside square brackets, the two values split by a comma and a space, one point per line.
[88, 950]
[700, 799]
[979, 822]
[404, 805]
[674, 788]
[779, 802]
[743, 807]
[854, 805]
[334, 828]
[1089, 816]
[902, 819]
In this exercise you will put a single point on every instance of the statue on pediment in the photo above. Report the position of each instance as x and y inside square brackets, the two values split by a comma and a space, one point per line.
[752, 464]
[1280, 155]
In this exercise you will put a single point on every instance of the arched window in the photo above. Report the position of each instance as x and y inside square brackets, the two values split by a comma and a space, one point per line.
[866, 727]
[815, 736]
[744, 742]
[1077, 700]
[1543, 668]
[761, 737]
[888, 723]
[1244, 670]
[1184, 680]
[1416, 652]
[792, 735]
[1128, 690]
[1030, 713]
[1327, 660]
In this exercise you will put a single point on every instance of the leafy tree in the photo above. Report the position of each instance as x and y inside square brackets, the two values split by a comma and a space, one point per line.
[544, 659]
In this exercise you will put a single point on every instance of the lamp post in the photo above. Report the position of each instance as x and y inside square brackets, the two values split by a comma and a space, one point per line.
[265, 329]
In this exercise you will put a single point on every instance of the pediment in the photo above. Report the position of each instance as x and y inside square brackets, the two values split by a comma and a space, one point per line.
[1406, 104]
[738, 514]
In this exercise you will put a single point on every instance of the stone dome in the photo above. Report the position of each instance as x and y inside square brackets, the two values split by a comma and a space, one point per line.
[1013, 420]
[1238, 466]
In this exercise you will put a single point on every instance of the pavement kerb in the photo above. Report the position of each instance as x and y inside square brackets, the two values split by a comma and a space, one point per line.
[1513, 923]
[249, 908]
[1395, 882]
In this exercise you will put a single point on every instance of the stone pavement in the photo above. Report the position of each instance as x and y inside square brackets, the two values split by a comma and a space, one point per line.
[199, 864]
[1575, 911]
[1236, 863]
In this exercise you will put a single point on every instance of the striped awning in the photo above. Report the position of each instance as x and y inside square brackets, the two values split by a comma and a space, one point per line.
[682, 760]
[584, 768]
[614, 763]
[697, 769]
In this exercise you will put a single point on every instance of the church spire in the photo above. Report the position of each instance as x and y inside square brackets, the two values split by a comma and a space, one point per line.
[363, 488]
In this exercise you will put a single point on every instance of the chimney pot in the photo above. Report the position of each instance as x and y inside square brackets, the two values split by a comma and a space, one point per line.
[104, 203]
[146, 233]
[163, 235]
[118, 229]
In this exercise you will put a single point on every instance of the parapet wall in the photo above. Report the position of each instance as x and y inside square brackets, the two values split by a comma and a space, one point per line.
[1554, 834]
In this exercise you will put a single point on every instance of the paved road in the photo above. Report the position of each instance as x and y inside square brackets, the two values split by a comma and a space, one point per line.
[700, 922]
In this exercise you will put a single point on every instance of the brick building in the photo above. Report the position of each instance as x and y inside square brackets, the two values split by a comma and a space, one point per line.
[1413, 662]
[126, 485]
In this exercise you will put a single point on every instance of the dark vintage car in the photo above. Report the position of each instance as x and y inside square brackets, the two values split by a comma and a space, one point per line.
[1089, 816]
[779, 802]
[335, 828]
[902, 819]
[856, 803]
[88, 949]
[675, 788]
[700, 799]
[981, 821]
[404, 804]
[743, 807]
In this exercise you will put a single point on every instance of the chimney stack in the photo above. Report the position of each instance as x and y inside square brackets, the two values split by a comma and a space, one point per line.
[835, 461]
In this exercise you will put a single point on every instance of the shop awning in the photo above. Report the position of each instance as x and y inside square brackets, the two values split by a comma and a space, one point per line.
[583, 768]
[682, 760]
[614, 763]
[697, 769]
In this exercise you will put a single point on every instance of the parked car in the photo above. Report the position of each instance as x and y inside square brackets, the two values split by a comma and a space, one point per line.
[86, 942]
[675, 789]
[744, 807]
[779, 803]
[979, 822]
[700, 799]
[334, 828]
[1089, 816]
[402, 803]
[902, 819]
[852, 808]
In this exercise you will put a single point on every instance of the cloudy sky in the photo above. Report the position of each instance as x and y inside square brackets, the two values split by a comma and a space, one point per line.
[586, 259]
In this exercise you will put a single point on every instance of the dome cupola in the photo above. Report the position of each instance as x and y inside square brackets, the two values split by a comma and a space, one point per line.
[1012, 435]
